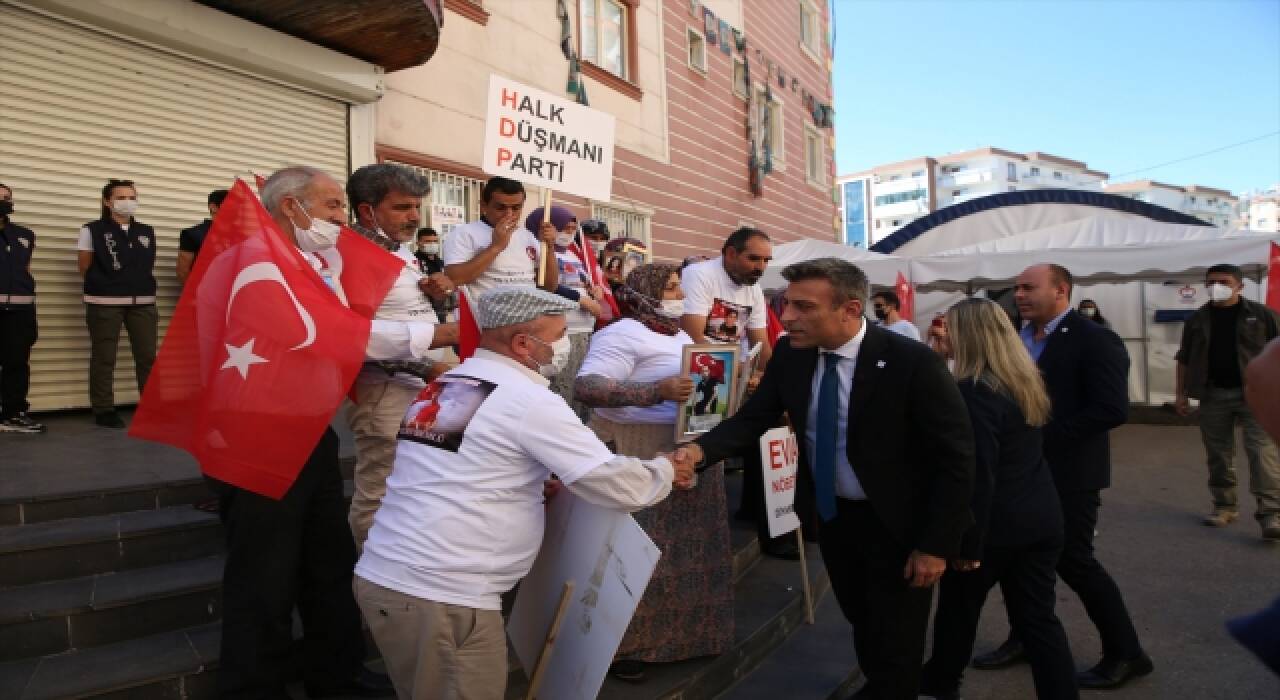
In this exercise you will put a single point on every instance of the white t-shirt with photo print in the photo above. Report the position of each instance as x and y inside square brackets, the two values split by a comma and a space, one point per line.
[710, 292]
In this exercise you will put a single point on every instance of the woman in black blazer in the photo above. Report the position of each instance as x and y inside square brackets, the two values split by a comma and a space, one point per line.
[1017, 531]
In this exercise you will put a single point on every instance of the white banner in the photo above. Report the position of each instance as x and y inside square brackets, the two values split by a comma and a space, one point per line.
[610, 560]
[547, 140]
[780, 456]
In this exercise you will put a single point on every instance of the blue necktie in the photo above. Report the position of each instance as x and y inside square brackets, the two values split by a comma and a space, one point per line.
[826, 429]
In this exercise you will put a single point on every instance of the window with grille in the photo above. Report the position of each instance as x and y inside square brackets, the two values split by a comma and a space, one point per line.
[625, 221]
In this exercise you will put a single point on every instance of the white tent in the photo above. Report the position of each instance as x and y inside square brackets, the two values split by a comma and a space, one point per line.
[881, 269]
[1098, 232]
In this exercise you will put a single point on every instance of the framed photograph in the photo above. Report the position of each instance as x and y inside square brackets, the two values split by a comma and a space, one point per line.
[618, 264]
[714, 370]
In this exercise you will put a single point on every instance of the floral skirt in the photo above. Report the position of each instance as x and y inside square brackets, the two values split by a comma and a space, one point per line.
[687, 608]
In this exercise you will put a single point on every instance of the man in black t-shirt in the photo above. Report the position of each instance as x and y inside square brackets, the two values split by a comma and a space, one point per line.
[1218, 341]
[190, 239]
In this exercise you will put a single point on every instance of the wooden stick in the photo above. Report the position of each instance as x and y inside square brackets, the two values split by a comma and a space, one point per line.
[804, 578]
[543, 246]
[544, 657]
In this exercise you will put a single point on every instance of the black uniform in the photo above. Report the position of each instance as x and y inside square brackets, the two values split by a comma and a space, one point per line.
[190, 239]
[17, 317]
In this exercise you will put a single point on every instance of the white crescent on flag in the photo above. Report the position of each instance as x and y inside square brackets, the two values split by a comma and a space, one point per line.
[270, 272]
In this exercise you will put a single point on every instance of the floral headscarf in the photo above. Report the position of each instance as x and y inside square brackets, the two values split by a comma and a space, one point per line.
[641, 297]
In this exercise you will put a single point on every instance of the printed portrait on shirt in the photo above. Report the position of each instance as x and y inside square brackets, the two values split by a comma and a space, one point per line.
[440, 414]
[727, 321]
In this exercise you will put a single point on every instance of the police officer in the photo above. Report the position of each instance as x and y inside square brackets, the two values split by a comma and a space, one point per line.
[117, 258]
[17, 320]
[190, 239]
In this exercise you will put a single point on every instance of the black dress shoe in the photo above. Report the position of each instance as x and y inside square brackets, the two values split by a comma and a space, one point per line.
[1113, 673]
[365, 684]
[1003, 656]
[784, 549]
[108, 419]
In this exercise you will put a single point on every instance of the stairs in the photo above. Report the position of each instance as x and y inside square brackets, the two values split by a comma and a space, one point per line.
[114, 591]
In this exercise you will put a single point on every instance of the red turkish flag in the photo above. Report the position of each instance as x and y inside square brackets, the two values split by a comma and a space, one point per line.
[906, 298]
[1273, 278]
[260, 351]
[705, 361]
[468, 328]
[590, 262]
[773, 327]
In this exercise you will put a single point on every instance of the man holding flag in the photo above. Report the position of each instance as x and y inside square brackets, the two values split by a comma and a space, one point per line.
[249, 388]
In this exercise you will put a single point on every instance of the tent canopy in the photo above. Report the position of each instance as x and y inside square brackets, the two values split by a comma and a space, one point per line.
[1099, 232]
[880, 269]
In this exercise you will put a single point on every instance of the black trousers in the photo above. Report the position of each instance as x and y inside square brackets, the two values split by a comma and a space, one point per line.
[298, 552]
[1079, 568]
[17, 334]
[889, 618]
[1026, 575]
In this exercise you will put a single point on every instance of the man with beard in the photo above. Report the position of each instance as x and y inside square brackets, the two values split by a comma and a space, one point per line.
[729, 286]
[387, 200]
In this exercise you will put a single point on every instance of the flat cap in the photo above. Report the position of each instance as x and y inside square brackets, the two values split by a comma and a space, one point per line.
[507, 306]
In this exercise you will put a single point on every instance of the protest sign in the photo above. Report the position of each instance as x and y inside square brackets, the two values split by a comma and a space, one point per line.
[780, 455]
[547, 140]
[609, 560]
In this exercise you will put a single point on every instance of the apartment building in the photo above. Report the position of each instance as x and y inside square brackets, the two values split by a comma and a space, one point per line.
[1209, 204]
[1260, 211]
[684, 80]
[877, 202]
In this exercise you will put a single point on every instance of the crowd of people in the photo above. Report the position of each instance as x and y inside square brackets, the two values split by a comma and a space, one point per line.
[975, 458]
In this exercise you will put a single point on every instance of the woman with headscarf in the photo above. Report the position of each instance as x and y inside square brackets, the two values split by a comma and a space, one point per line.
[631, 376]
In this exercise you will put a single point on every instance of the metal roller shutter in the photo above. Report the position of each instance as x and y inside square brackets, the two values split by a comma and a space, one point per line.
[81, 107]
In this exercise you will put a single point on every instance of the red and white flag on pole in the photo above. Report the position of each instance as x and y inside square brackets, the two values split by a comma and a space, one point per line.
[586, 254]
[468, 327]
[1273, 278]
[906, 298]
[260, 351]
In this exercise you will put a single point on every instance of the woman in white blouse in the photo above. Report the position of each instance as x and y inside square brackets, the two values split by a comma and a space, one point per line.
[631, 378]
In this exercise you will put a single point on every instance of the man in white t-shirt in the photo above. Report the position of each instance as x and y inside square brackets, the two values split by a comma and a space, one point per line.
[387, 200]
[463, 516]
[723, 302]
[887, 308]
[496, 250]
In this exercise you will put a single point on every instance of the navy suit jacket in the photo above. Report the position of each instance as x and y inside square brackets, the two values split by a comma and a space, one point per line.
[1086, 370]
[909, 438]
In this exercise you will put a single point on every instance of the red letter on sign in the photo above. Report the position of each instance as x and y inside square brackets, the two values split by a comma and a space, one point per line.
[506, 127]
[509, 98]
[503, 155]
[775, 454]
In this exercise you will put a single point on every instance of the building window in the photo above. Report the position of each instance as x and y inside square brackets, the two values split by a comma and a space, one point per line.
[739, 78]
[605, 35]
[917, 173]
[855, 213]
[895, 222]
[776, 131]
[1013, 171]
[1035, 172]
[697, 51]
[625, 221]
[896, 197]
[810, 28]
[1012, 188]
[455, 199]
[815, 156]
[1057, 175]
[956, 193]
[877, 223]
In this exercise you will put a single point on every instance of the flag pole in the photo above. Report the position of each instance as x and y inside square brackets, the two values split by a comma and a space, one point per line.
[544, 657]
[543, 245]
[804, 577]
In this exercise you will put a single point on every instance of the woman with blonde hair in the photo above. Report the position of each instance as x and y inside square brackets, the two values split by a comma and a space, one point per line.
[1017, 532]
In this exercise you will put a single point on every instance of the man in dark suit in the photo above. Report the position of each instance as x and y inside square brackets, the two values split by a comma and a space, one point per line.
[1086, 370]
[886, 461]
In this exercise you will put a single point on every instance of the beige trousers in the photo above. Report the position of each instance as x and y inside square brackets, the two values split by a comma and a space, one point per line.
[374, 420]
[436, 651]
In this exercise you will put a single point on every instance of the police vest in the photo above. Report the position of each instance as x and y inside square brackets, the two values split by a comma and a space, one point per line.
[122, 264]
[17, 286]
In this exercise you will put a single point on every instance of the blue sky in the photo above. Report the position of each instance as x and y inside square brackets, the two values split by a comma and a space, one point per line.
[1120, 84]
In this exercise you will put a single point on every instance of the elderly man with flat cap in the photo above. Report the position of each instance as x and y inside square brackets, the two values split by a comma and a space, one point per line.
[463, 516]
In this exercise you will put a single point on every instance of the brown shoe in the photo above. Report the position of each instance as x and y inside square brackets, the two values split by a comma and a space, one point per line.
[1270, 527]
[1220, 517]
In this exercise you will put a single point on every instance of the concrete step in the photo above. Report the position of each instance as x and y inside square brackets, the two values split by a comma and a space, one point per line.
[816, 662]
[59, 616]
[76, 547]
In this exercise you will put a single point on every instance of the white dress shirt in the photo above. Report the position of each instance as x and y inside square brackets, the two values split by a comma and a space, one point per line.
[847, 485]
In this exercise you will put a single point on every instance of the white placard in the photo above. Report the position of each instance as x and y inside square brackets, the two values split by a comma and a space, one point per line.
[780, 457]
[610, 560]
[547, 140]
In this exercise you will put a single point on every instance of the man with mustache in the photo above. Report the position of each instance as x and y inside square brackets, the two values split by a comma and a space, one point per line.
[729, 285]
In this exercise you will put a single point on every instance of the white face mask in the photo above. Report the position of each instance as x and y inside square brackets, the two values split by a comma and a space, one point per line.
[673, 308]
[321, 235]
[125, 207]
[559, 356]
[1219, 292]
[597, 246]
[564, 240]
[429, 248]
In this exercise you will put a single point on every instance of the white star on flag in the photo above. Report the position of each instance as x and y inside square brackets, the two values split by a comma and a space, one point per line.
[242, 358]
